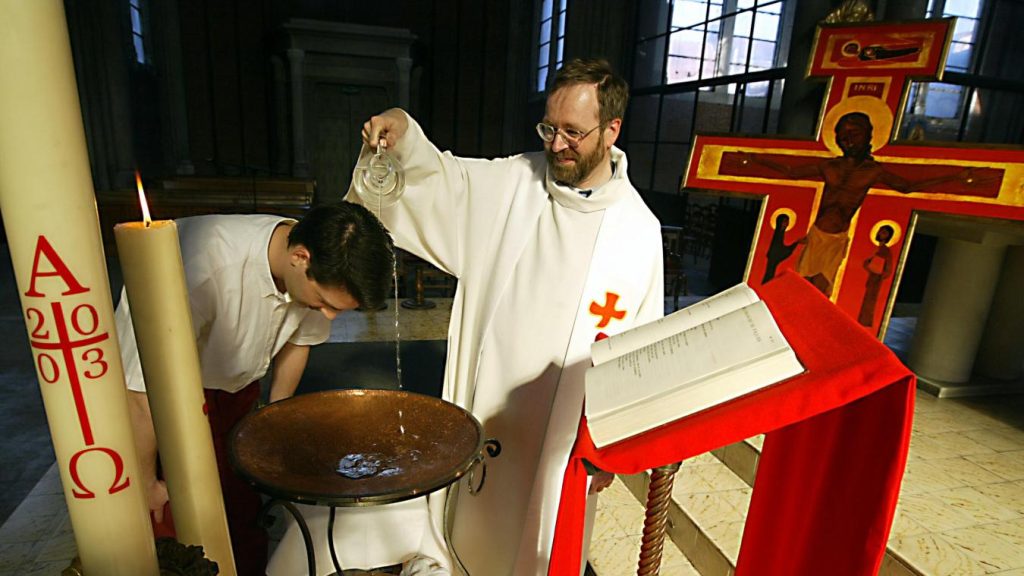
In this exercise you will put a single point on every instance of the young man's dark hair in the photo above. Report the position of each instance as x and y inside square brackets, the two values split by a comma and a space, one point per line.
[348, 247]
[612, 91]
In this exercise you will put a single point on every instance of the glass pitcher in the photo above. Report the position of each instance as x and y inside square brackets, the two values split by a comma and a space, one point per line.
[379, 178]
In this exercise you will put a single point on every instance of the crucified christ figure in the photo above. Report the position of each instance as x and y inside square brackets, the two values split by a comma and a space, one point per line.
[847, 181]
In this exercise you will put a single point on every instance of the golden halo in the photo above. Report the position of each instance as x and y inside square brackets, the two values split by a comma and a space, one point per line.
[881, 121]
[896, 231]
[788, 212]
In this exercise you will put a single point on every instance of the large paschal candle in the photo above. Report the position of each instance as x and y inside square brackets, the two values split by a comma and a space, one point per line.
[49, 213]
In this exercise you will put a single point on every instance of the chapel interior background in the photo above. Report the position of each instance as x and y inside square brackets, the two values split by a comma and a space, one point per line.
[257, 106]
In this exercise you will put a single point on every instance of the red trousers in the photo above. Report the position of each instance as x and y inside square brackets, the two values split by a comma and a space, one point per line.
[241, 501]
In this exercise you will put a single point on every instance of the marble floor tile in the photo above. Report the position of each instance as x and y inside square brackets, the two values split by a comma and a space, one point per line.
[711, 508]
[927, 476]
[1006, 465]
[616, 495]
[970, 470]
[1008, 495]
[673, 563]
[44, 569]
[613, 556]
[739, 499]
[994, 553]
[727, 536]
[28, 525]
[903, 526]
[630, 519]
[719, 477]
[946, 445]
[15, 555]
[1011, 531]
[974, 503]
[933, 554]
[690, 480]
[941, 421]
[998, 439]
[605, 526]
[59, 545]
[931, 511]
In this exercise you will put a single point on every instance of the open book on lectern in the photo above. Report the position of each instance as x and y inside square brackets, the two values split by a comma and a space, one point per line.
[718, 349]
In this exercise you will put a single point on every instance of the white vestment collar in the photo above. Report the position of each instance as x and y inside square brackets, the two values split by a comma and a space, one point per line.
[602, 197]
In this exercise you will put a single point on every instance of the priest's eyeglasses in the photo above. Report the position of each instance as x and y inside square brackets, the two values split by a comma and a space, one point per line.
[573, 138]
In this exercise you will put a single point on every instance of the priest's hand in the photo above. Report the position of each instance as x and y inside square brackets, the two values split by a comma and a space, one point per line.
[600, 481]
[389, 126]
[156, 497]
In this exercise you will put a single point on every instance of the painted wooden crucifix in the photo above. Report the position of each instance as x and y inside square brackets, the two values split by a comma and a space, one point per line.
[839, 207]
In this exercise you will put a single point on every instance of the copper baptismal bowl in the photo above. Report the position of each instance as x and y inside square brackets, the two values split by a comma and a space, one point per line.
[390, 445]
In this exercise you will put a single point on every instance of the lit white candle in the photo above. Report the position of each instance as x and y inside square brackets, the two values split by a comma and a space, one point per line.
[49, 212]
[158, 298]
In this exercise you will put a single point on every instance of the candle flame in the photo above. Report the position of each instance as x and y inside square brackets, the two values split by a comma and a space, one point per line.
[142, 200]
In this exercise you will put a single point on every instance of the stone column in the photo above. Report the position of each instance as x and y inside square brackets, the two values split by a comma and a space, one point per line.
[1001, 352]
[954, 311]
[300, 167]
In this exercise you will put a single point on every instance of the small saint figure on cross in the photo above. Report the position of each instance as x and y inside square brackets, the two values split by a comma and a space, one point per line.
[879, 267]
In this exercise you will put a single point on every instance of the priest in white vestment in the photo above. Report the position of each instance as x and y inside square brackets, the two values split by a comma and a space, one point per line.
[552, 251]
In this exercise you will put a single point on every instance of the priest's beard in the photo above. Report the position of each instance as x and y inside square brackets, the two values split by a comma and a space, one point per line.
[579, 170]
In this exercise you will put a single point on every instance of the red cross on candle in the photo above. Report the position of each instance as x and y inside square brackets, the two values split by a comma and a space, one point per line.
[607, 311]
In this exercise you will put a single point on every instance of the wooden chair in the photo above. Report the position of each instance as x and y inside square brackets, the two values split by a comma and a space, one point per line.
[672, 246]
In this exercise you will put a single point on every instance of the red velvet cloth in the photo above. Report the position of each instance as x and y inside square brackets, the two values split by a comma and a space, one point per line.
[829, 474]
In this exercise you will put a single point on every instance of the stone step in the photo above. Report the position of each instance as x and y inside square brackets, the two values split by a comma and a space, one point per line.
[705, 518]
[710, 499]
[615, 541]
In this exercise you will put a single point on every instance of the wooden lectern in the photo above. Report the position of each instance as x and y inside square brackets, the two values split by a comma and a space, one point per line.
[835, 447]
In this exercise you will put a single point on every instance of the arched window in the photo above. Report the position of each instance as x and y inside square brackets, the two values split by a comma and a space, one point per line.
[140, 27]
[701, 65]
[550, 40]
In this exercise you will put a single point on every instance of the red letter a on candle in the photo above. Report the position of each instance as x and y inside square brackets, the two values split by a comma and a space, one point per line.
[43, 248]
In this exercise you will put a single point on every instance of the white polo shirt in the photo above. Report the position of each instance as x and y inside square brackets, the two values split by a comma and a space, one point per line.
[239, 317]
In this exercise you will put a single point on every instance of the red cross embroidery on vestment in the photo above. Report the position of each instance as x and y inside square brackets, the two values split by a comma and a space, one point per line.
[607, 311]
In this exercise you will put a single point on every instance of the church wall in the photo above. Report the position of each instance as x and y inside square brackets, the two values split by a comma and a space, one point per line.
[472, 66]
[1004, 49]
[462, 60]
[225, 62]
